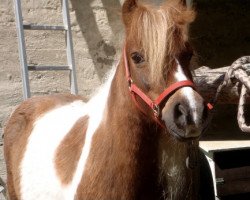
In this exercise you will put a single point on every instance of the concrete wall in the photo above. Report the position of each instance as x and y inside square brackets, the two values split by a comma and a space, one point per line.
[220, 35]
[97, 37]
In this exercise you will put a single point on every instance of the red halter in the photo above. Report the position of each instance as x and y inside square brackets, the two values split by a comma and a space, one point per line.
[154, 105]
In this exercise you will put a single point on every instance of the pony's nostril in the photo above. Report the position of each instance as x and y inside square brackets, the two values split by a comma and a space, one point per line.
[184, 116]
[182, 110]
[180, 115]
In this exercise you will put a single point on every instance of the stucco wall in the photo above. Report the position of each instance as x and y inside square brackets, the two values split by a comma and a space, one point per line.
[97, 33]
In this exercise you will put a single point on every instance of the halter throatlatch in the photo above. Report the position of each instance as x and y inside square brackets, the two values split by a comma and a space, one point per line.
[154, 105]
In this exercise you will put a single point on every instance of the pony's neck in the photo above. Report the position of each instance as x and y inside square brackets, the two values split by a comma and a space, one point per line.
[150, 142]
[136, 160]
[134, 142]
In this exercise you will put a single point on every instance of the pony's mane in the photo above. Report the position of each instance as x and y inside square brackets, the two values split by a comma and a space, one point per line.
[160, 31]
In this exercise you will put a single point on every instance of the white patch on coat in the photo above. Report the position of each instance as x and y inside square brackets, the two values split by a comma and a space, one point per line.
[96, 109]
[39, 179]
[172, 171]
[187, 92]
[38, 175]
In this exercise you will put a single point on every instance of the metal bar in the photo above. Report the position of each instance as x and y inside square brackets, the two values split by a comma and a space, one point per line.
[43, 27]
[22, 49]
[48, 68]
[3, 188]
[69, 45]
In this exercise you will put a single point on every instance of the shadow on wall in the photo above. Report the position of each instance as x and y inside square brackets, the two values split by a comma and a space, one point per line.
[220, 33]
[101, 50]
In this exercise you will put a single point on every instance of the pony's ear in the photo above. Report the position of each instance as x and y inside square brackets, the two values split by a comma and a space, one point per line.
[186, 3]
[183, 13]
[128, 7]
[183, 2]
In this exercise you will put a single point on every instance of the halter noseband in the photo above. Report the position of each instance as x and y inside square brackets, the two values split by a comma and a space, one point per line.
[154, 105]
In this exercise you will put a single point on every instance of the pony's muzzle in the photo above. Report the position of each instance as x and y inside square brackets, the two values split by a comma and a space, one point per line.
[185, 117]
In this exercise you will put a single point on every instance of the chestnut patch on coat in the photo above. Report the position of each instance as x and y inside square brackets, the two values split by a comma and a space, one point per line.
[18, 130]
[69, 151]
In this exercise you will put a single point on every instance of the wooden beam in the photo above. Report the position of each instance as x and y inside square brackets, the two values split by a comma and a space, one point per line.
[207, 81]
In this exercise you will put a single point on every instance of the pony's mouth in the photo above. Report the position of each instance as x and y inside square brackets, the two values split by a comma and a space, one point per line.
[180, 135]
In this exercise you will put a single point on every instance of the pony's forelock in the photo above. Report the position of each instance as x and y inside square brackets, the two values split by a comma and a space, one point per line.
[154, 29]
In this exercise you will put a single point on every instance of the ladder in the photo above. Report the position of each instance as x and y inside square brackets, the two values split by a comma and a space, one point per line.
[25, 67]
[3, 188]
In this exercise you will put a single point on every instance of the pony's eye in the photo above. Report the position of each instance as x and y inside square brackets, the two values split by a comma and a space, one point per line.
[137, 58]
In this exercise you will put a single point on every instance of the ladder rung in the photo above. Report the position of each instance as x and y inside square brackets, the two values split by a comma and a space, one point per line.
[48, 68]
[1, 188]
[43, 27]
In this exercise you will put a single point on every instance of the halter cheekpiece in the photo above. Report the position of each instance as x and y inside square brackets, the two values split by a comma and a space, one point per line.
[163, 97]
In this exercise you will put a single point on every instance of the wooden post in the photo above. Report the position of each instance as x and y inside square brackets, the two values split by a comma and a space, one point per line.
[207, 81]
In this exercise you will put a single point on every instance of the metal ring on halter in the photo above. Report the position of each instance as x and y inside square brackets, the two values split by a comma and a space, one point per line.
[156, 110]
[130, 82]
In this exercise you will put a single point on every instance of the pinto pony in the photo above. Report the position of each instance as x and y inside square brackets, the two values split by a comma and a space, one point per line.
[135, 139]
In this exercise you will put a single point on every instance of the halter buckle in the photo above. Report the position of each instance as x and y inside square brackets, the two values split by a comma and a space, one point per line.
[130, 82]
[156, 110]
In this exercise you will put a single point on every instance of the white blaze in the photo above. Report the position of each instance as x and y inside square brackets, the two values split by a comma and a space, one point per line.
[187, 92]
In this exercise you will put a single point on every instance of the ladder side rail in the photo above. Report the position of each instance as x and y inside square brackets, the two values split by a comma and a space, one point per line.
[69, 46]
[22, 49]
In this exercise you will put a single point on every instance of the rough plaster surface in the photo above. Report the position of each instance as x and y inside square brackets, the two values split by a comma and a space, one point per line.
[97, 37]
[220, 34]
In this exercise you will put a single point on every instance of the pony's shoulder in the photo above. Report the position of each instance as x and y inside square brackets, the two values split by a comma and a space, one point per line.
[32, 108]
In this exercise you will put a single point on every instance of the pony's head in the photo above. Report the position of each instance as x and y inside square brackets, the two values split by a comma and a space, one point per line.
[158, 55]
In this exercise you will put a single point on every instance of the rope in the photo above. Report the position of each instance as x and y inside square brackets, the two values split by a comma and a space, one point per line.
[238, 73]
